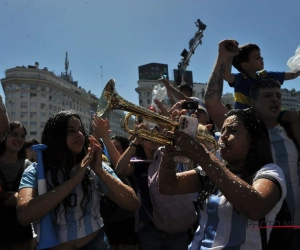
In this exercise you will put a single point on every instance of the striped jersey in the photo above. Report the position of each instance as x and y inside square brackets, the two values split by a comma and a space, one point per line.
[72, 225]
[286, 155]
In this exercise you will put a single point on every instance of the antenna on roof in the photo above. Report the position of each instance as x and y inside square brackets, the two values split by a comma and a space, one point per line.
[102, 76]
[66, 63]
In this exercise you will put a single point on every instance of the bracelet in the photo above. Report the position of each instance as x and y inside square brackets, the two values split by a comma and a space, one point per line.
[133, 144]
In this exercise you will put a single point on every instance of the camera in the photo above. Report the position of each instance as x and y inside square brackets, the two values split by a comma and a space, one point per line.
[189, 105]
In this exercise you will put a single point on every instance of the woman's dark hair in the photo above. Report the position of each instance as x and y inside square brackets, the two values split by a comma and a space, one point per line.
[124, 141]
[259, 153]
[12, 126]
[31, 142]
[59, 160]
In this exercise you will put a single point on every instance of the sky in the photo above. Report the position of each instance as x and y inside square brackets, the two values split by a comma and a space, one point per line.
[110, 38]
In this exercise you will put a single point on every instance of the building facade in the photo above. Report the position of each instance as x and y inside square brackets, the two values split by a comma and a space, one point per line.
[290, 99]
[32, 95]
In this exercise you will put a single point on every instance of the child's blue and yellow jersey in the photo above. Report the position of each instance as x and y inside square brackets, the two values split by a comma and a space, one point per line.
[242, 84]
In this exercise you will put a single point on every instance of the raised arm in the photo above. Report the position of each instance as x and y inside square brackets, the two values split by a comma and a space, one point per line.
[171, 183]
[163, 109]
[291, 75]
[124, 167]
[212, 97]
[228, 76]
[172, 91]
[4, 120]
[119, 192]
[254, 201]
[101, 130]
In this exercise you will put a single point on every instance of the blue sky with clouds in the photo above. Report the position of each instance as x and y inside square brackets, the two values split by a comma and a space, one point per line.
[121, 35]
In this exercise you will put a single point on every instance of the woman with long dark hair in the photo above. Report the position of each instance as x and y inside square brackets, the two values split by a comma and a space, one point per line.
[76, 178]
[236, 194]
[12, 165]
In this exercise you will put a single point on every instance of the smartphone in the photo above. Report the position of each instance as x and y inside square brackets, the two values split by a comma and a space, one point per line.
[188, 125]
[189, 105]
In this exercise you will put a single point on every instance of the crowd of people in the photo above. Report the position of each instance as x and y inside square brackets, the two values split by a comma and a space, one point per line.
[120, 193]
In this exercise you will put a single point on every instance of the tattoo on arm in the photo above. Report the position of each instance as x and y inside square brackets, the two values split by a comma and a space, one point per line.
[215, 83]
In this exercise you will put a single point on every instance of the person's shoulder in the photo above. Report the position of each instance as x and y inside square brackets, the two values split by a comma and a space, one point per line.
[270, 166]
[278, 75]
[265, 71]
[29, 177]
[271, 170]
[31, 168]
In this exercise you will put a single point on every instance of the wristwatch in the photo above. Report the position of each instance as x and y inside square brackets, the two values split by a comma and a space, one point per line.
[133, 144]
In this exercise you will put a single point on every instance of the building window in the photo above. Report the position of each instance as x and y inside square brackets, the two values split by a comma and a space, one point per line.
[24, 94]
[43, 114]
[13, 95]
[23, 114]
[33, 86]
[14, 87]
[33, 104]
[148, 101]
[33, 124]
[24, 86]
[23, 104]
[43, 95]
[50, 106]
[50, 98]
[43, 87]
[32, 114]
[43, 105]
[32, 95]
[32, 132]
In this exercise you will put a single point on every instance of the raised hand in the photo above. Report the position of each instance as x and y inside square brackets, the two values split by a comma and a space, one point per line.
[228, 48]
[164, 81]
[100, 127]
[96, 162]
[184, 145]
[86, 161]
